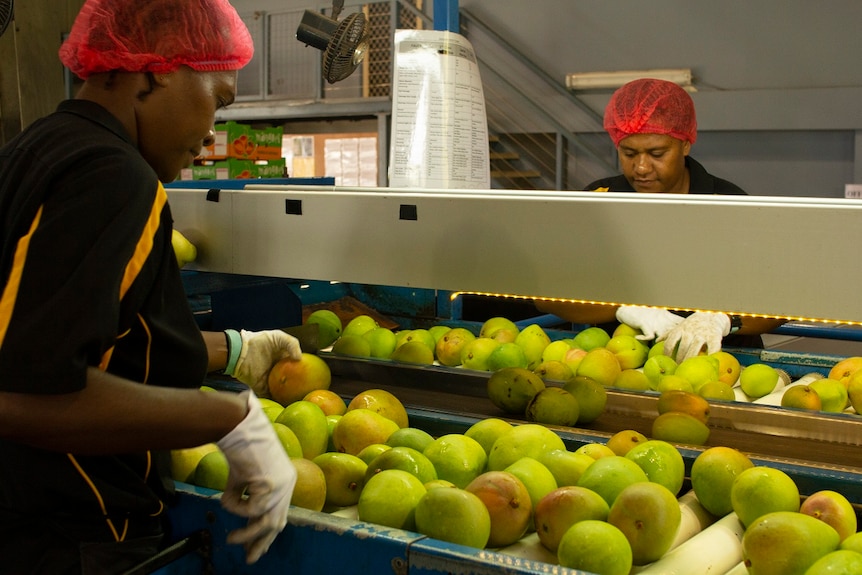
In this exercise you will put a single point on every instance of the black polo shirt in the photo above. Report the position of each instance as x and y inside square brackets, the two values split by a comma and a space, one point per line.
[700, 182]
[88, 278]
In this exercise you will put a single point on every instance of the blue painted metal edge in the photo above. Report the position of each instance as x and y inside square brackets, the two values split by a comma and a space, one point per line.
[435, 556]
[446, 15]
[239, 184]
[320, 542]
[313, 542]
[827, 332]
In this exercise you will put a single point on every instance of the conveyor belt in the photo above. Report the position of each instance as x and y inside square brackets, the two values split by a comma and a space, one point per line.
[820, 451]
[829, 441]
[444, 400]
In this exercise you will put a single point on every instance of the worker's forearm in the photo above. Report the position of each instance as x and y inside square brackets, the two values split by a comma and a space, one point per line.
[112, 415]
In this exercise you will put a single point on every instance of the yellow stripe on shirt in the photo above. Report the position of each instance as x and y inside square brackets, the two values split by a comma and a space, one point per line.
[139, 257]
[10, 292]
[142, 251]
[118, 536]
[145, 242]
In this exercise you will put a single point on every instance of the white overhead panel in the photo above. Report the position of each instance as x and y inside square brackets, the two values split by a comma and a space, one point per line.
[773, 256]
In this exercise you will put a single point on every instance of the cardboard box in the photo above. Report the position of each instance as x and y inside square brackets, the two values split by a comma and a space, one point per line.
[201, 170]
[232, 168]
[274, 168]
[234, 140]
[267, 143]
[224, 133]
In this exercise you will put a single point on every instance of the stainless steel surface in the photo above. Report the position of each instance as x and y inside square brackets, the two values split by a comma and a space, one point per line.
[737, 254]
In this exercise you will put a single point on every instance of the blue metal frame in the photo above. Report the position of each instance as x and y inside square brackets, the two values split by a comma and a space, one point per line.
[827, 332]
[446, 15]
[239, 184]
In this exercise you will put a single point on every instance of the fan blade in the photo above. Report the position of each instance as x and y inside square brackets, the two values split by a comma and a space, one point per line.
[346, 49]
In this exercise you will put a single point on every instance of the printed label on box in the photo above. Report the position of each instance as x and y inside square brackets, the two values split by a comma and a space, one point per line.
[234, 140]
[267, 143]
[233, 168]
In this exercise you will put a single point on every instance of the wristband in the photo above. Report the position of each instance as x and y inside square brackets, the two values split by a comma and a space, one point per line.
[234, 346]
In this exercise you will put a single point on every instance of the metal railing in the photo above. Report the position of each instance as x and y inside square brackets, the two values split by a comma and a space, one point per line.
[284, 69]
[548, 129]
[543, 136]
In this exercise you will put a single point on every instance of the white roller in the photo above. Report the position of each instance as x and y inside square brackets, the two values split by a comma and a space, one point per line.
[694, 519]
[716, 549]
[740, 395]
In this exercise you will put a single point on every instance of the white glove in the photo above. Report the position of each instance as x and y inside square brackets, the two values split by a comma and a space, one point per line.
[260, 482]
[653, 322]
[700, 329]
[260, 351]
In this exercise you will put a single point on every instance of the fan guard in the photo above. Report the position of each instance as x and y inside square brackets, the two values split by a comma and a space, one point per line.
[347, 48]
[5, 14]
[344, 43]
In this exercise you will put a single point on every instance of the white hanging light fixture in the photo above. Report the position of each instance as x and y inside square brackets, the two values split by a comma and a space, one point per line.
[613, 80]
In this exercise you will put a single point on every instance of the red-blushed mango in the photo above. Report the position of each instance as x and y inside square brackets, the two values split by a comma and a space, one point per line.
[383, 402]
[291, 380]
[359, 428]
[508, 503]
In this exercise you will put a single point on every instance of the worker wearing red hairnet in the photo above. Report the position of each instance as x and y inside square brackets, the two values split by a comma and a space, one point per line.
[101, 360]
[653, 125]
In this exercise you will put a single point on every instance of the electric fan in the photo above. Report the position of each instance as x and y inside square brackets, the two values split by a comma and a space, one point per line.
[5, 14]
[343, 43]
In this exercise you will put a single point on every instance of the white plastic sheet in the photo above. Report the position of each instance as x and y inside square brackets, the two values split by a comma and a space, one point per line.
[439, 125]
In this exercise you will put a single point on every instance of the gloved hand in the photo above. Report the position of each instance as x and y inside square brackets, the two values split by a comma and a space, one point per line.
[260, 351]
[700, 329]
[260, 482]
[653, 322]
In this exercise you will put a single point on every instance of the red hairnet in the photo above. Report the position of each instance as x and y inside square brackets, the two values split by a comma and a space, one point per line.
[650, 106]
[156, 36]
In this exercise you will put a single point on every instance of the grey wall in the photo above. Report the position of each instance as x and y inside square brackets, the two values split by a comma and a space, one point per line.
[779, 82]
[730, 44]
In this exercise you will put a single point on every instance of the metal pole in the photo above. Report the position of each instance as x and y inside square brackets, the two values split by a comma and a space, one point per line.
[446, 15]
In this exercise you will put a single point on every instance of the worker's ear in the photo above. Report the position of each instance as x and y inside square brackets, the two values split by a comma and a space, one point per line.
[686, 147]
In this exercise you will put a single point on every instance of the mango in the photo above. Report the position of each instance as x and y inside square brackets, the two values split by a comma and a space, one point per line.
[512, 388]
[678, 427]
[786, 543]
[649, 516]
[553, 406]
[685, 402]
